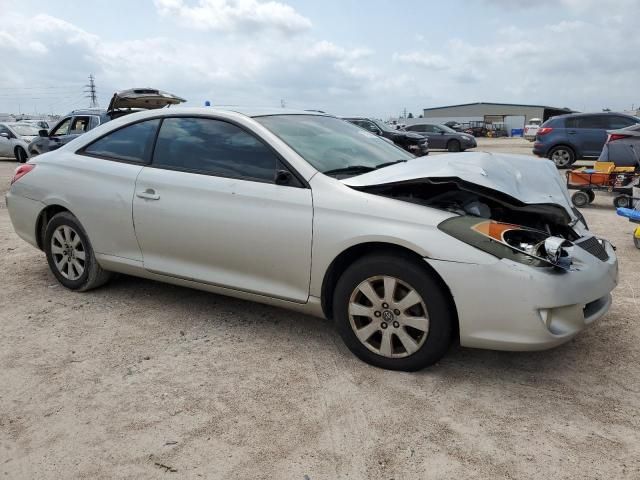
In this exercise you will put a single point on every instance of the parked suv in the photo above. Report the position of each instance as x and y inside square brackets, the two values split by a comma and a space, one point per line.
[80, 121]
[410, 141]
[567, 138]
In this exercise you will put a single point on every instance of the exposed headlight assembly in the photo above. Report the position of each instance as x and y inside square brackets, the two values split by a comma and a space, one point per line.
[514, 242]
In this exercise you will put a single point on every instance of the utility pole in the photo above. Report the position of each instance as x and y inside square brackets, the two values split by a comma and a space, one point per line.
[91, 92]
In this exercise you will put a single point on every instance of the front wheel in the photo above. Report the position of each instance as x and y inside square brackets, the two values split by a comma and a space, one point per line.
[580, 198]
[70, 255]
[21, 155]
[454, 146]
[391, 313]
[622, 201]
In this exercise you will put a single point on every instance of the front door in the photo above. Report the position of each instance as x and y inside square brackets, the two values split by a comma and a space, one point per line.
[6, 149]
[208, 209]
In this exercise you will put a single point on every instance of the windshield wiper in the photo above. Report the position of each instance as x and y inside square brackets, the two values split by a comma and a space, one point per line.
[387, 164]
[350, 169]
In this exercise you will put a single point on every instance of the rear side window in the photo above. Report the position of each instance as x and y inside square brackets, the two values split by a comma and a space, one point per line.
[79, 125]
[132, 143]
[590, 121]
[616, 122]
[214, 147]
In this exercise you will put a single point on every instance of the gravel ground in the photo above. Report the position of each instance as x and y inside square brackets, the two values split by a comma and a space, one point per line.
[144, 380]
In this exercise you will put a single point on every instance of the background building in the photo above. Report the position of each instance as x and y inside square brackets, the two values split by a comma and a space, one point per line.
[513, 116]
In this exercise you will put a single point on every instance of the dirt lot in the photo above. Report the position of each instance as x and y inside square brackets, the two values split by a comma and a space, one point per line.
[144, 380]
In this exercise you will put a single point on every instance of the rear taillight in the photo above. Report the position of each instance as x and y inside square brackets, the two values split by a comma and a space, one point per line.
[21, 171]
[616, 136]
[544, 130]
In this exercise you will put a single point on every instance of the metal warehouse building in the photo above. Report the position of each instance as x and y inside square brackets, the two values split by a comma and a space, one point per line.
[512, 115]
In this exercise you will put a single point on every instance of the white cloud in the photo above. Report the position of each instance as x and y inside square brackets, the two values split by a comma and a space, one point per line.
[234, 15]
[423, 59]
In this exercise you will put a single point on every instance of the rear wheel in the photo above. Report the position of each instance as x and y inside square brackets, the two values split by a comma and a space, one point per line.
[21, 155]
[453, 146]
[580, 198]
[562, 156]
[391, 313]
[622, 201]
[70, 255]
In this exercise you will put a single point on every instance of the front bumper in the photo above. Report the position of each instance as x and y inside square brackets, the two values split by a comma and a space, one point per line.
[510, 306]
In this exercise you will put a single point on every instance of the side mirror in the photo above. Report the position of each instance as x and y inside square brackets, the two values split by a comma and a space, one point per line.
[4, 135]
[283, 177]
[43, 133]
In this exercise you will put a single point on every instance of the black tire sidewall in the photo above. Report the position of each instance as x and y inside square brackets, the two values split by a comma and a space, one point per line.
[21, 155]
[451, 146]
[438, 308]
[68, 219]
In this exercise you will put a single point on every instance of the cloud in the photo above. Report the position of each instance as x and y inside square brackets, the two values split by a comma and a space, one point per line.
[235, 15]
[423, 59]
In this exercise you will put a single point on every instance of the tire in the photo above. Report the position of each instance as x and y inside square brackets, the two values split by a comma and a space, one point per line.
[636, 241]
[580, 199]
[21, 155]
[622, 201]
[453, 146]
[591, 194]
[562, 156]
[430, 314]
[70, 255]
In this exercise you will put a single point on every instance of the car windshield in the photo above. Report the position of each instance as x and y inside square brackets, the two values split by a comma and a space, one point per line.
[329, 143]
[383, 126]
[25, 130]
[447, 129]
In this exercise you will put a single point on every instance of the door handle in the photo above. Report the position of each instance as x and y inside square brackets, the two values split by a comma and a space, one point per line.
[148, 194]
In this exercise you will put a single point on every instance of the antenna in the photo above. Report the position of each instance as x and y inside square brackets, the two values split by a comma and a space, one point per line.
[91, 92]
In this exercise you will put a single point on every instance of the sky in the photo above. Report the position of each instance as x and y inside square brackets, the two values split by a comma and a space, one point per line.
[347, 57]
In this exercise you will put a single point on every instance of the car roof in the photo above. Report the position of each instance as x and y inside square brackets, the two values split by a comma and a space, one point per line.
[87, 111]
[255, 111]
[589, 114]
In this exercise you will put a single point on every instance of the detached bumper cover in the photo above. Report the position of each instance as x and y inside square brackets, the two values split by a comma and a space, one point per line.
[510, 306]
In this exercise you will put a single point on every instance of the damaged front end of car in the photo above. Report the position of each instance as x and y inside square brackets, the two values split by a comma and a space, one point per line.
[498, 210]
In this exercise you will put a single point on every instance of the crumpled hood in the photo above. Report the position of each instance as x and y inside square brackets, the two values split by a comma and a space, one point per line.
[528, 179]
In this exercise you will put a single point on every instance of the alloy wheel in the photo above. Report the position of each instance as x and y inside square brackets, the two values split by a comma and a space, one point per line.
[68, 252]
[561, 157]
[388, 316]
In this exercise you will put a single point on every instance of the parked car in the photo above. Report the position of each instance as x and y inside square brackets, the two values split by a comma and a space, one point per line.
[454, 125]
[308, 212]
[531, 129]
[411, 142]
[443, 137]
[79, 122]
[622, 147]
[567, 138]
[15, 138]
[38, 123]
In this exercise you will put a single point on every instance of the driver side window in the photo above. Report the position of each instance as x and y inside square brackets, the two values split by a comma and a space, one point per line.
[372, 127]
[62, 128]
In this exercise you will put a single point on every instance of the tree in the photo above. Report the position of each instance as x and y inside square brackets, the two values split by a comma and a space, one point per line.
[410, 115]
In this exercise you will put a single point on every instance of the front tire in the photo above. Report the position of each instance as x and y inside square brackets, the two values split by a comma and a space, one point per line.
[21, 155]
[70, 255]
[392, 313]
[562, 156]
[622, 201]
[580, 198]
[454, 146]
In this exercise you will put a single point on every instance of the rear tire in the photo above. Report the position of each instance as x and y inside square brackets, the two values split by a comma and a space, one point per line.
[406, 326]
[21, 155]
[70, 255]
[562, 156]
[454, 146]
[580, 199]
[622, 201]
